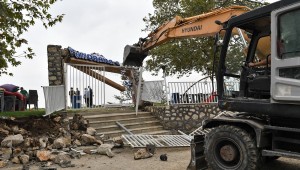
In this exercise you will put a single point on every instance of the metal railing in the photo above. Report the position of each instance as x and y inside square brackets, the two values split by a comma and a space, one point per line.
[85, 86]
[197, 92]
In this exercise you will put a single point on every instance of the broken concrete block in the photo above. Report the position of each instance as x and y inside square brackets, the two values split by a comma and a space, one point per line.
[142, 154]
[12, 140]
[91, 131]
[105, 149]
[24, 159]
[43, 155]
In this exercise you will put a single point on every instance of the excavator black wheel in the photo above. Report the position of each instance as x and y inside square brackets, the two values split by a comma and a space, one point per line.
[231, 148]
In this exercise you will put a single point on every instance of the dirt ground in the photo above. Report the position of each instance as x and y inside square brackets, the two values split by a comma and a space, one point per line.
[178, 159]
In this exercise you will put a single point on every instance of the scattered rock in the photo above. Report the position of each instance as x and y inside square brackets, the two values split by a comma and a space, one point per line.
[17, 151]
[75, 154]
[105, 149]
[6, 127]
[6, 153]
[43, 142]
[79, 123]
[24, 159]
[63, 160]
[77, 142]
[4, 132]
[43, 155]
[13, 140]
[88, 139]
[61, 142]
[15, 129]
[57, 119]
[87, 151]
[142, 154]
[91, 131]
[3, 164]
[118, 142]
[22, 131]
[27, 142]
[15, 160]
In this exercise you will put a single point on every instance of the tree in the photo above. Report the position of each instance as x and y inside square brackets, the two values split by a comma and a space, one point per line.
[186, 55]
[15, 18]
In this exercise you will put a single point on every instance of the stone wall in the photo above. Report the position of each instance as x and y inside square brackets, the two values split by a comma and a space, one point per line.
[184, 117]
[55, 65]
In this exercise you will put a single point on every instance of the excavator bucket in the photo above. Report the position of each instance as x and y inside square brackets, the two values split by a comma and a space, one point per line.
[133, 56]
[198, 161]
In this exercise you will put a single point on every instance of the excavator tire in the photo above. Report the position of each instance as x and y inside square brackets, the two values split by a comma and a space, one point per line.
[231, 148]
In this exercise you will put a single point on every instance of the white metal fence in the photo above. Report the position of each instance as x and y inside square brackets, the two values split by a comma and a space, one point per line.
[55, 99]
[85, 86]
[153, 91]
[197, 92]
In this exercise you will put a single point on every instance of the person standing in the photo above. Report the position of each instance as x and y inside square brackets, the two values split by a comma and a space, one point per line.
[77, 92]
[86, 97]
[25, 95]
[71, 94]
[91, 96]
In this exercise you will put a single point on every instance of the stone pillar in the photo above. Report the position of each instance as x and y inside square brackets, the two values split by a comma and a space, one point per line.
[55, 65]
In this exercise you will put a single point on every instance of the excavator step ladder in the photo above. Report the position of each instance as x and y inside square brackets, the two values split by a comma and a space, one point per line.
[198, 161]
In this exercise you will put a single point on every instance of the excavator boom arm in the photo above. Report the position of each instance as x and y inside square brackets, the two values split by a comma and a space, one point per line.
[197, 26]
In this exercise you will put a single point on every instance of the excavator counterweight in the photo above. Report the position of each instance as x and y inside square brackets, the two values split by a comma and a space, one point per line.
[133, 56]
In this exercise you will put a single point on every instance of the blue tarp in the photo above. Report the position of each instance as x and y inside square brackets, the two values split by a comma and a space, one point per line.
[92, 57]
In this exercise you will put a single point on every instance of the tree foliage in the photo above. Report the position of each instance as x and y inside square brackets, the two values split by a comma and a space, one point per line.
[16, 16]
[186, 55]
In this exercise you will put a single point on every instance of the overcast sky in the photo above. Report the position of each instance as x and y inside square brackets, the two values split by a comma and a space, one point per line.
[103, 26]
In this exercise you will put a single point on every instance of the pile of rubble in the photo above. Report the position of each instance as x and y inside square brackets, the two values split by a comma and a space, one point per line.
[48, 140]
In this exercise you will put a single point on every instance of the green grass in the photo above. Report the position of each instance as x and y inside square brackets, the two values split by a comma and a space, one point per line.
[25, 113]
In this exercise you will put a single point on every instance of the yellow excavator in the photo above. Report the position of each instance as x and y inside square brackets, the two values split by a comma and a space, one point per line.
[261, 119]
[207, 24]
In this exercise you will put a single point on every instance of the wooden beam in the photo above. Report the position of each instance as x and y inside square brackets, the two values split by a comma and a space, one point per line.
[99, 77]
[108, 68]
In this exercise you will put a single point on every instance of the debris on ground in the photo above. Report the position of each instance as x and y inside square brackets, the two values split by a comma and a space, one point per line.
[105, 149]
[142, 154]
[46, 141]
[163, 157]
[150, 148]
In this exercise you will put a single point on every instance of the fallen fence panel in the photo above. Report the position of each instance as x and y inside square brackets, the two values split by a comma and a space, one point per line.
[137, 141]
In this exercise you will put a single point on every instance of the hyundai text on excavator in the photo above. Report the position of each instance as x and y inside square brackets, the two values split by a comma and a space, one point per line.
[264, 119]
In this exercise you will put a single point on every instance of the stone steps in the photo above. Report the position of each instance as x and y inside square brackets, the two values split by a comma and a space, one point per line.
[142, 123]
[114, 116]
[128, 126]
[153, 130]
[96, 124]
